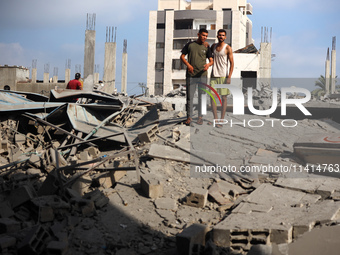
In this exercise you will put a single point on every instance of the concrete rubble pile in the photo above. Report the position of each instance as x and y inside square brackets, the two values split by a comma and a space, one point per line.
[112, 175]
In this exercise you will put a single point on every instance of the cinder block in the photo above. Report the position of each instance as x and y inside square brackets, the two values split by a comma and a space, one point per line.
[197, 198]
[191, 238]
[150, 135]
[281, 235]
[4, 146]
[8, 225]
[20, 139]
[20, 196]
[151, 185]
[6, 242]
[34, 241]
[57, 248]
[93, 151]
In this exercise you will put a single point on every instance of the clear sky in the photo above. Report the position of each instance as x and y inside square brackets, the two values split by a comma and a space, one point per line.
[54, 31]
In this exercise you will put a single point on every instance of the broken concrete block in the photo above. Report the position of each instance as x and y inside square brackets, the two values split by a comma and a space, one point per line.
[166, 203]
[4, 146]
[8, 225]
[85, 206]
[150, 135]
[34, 241]
[281, 234]
[57, 248]
[215, 193]
[19, 139]
[50, 158]
[93, 151]
[82, 184]
[165, 106]
[99, 199]
[85, 156]
[151, 185]
[6, 242]
[191, 238]
[20, 196]
[197, 198]
[35, 160]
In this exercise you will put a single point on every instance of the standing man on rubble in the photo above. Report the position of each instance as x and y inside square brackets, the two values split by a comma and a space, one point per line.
[222, 54]
[75, 84]
[198, 52]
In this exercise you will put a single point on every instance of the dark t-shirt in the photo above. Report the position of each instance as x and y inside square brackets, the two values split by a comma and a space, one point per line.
[197, 55]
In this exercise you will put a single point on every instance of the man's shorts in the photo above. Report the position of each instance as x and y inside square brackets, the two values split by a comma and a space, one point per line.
[219, 80]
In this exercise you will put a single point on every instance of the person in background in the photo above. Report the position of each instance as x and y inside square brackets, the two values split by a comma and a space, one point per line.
[75, 84]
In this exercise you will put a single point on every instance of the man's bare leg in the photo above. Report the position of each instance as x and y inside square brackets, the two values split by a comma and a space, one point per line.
[224, 106]
[214, 108]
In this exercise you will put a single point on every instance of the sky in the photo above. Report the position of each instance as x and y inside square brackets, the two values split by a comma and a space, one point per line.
[53, 31]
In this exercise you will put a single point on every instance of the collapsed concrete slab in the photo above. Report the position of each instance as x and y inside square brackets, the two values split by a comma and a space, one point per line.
[319, 149]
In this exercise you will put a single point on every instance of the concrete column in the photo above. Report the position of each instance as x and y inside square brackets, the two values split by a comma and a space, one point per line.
[34, 75]
[151, 72]
[109, 77]
[55, 79]
[96, 78]
[67, 75]
[265, 64]
[168, 48]
[333, 71]
[327, 73]
[46, 77]
[89, 53]
[124, 73]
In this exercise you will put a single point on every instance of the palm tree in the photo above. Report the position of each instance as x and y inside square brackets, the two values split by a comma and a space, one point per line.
[321, 83]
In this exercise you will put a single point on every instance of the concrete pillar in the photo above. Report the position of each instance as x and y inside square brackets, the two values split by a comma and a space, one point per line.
[34, 75]
[168, 48]
[124, 68]
[67, 75]
[333, 66]
[46, 77]
[327, 73]
[265, 64]
[152, 52]
[55, 79]
[96, 78]
[109, 77]
[89, 53]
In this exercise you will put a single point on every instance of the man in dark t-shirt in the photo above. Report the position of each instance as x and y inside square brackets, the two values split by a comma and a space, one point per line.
[197, 52]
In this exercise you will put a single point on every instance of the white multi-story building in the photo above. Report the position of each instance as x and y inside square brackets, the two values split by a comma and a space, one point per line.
[178, 21]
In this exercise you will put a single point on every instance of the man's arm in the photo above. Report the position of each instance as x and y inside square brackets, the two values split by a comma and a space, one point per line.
[211, 62]
[231, 60]
[209, 56]
[190, 67]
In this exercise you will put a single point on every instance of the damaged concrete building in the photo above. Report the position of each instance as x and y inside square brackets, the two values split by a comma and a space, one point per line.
[177, 22]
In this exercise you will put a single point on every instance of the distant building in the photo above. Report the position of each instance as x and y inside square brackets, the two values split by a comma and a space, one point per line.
[11, 75]
[178, 21]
